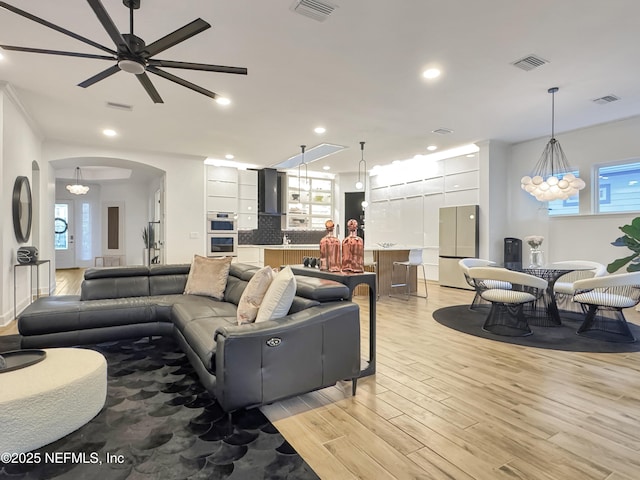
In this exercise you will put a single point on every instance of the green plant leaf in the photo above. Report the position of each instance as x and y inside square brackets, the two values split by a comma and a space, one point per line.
[632, 230]
[634, 267]
[619, 242]
[619, 263]
[631, 243]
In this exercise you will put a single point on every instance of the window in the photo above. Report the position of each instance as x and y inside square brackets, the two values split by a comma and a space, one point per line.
[310, 204]
[61, 239]
[85, 243]
[570, 206]
[618, 188]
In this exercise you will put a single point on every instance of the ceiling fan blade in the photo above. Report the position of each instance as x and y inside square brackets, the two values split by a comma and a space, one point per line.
[148, 86]
[181, 81]
[168, 41]
[100, 76]
[109, 26]
[197, 66]
[56, 52]
[55, 27]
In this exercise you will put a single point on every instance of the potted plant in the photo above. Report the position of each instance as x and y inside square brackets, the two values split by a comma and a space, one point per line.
[631, 240]
[149, 243]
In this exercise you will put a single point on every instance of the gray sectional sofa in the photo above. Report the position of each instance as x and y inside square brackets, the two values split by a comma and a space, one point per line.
[314, 346]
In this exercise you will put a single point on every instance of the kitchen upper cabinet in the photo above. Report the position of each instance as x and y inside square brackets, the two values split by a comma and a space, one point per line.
[247, 199]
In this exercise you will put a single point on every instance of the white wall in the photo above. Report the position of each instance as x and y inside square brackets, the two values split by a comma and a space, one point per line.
[184, 193]
[493, 160]
[20, 145]
[580, 237]
[136, 213]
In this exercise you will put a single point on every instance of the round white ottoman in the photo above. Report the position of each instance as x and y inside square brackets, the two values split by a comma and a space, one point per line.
[44, 402]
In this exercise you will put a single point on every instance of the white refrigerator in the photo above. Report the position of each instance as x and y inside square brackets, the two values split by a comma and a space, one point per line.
[458, 233]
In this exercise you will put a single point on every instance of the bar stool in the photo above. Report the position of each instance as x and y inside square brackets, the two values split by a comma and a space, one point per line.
[415, 260]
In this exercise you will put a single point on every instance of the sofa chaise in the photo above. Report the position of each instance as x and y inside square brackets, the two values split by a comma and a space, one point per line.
[315, 345]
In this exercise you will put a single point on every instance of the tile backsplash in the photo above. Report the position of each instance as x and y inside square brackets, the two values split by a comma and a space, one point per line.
[269, 232]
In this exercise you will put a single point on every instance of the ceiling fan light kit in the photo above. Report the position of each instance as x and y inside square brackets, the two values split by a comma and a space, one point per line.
[131, 54]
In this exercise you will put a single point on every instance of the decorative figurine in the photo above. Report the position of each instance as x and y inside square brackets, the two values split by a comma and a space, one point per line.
[352, 250]
[330, 249]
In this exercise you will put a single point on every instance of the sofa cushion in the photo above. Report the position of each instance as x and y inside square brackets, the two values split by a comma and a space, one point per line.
[253, 295]
[197, 307]
[208, 276]
[277, 301]
[200, 335]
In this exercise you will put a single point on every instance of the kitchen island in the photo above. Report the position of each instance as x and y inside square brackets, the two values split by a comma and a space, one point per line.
[278, 255]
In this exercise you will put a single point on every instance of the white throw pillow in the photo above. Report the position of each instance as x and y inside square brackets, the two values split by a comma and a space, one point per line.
[279, 297]
[208, 276]
[253, 295]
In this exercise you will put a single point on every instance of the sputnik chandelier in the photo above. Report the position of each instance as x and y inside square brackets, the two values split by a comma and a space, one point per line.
[552, 177]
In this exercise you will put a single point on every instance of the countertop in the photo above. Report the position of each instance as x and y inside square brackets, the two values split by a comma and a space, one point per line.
[311, 246]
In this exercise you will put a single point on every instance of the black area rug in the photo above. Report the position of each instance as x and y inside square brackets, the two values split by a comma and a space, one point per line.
[561, 337]
[161, 422]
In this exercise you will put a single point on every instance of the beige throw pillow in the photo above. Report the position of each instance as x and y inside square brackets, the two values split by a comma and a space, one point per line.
[279, 297]
[208, 276]
[253, 295]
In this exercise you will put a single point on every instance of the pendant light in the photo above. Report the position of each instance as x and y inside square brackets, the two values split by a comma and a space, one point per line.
[306, 176]
[361, 184]
[551, 178]
[78, 188]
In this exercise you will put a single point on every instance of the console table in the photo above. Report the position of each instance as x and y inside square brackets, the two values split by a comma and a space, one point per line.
[352, 280]
[33, 265]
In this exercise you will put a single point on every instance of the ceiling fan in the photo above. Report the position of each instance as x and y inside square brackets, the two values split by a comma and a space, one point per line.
[131, 54]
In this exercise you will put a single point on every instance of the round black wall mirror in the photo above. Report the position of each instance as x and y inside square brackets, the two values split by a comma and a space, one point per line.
[22, 209]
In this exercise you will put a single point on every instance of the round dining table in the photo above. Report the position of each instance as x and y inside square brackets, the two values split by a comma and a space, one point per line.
[544, 312]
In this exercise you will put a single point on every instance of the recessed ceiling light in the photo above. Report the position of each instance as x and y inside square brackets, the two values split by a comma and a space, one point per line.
[223, 101]
[319, 129]
[228, 156]
[431, 73]
[109, 132]
[431, 148]
[326, 167]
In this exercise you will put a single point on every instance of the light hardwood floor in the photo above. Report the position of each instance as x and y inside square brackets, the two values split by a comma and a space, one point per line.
[445, 405]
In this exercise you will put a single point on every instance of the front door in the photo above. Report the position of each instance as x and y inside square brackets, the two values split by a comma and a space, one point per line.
[64, 238]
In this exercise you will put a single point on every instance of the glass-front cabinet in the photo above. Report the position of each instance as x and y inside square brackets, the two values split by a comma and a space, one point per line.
[309, 202]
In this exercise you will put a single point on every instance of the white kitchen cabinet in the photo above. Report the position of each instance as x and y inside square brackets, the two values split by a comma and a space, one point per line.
[247, 199]
[249, 255]
[222, 189]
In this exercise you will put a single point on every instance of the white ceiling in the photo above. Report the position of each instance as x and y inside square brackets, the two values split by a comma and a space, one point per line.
[358, 74]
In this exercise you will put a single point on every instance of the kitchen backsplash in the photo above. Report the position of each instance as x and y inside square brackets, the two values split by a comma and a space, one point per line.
[269, 232]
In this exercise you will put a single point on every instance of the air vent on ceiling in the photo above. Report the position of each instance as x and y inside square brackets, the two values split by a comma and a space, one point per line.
[442, 131]
[315, 9]
[120, 106]
[529, 62]
[606, 99]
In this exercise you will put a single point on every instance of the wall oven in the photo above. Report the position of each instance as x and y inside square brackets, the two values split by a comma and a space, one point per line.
[222, 244]
[221, 222]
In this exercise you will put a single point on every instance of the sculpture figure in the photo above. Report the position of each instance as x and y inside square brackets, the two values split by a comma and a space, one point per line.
[330, 250]
[352, 250]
